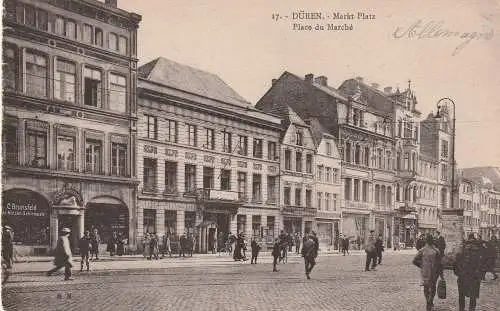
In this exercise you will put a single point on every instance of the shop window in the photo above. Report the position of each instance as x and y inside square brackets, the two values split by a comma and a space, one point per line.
[189, 222]
[149, 221]
[65, 81]
[92, 87]
[36, 75]
[65, 153]
[117, 92]
[171, 222]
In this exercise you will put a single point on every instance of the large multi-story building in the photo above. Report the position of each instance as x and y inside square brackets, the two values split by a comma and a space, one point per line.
[69, 118]
[208, 161]
[355, 116]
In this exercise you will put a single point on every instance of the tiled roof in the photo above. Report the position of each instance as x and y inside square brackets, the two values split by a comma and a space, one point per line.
[330, 91]
[374, 98]
[189, 79]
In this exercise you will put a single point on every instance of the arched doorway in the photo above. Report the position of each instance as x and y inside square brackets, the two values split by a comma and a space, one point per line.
[107, 214]
[27, 212]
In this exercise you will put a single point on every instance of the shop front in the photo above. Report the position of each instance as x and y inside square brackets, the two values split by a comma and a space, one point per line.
[355, 227]
[298, 220]
[405, 227]
[28, 213]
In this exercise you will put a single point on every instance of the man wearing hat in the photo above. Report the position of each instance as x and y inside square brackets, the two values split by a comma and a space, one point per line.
[7, 246]
[62, 255]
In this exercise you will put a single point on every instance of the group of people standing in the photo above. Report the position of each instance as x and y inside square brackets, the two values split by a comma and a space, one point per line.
[374, 247]
[475, 258]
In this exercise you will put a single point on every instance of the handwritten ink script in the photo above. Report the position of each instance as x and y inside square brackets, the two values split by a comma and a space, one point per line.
[437, 30]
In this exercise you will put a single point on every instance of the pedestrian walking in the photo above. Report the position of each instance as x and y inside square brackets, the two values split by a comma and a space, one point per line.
[95, 239]
[255, 251]
[62, 255]
[420, 241]
[120, 245]
[7, 252]
[441, 246]
[276, 253]
[345, 245]
[182, 245]
[468, 269]
[379, 248]
[298, 239]
[491, 257]
[371, 254]
[167, 245]
[85, 245]
[112, 244]
[428, 260]
[154, 246]
[310, 252]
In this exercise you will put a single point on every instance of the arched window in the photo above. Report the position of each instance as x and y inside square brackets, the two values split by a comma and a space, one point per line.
[398, 193]
[348, 152]
[382, 195]
[415, 196]
[389, 196]
[407, 161]
[377, 194]
[413, 162]
[398, 160]
[357, 154]
[367, 156]
[444, 198]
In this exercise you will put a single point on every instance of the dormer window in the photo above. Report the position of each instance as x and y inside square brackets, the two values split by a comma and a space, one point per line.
[299, 139]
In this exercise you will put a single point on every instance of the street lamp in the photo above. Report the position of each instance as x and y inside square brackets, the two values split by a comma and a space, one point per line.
[443, 102]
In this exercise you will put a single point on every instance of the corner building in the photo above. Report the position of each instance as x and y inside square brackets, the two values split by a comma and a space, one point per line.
[69, 120]
[208, 162]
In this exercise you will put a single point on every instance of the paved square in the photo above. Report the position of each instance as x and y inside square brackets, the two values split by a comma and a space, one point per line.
[217, 283]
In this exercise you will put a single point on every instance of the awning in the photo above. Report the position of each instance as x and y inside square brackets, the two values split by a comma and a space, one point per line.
[409, 216]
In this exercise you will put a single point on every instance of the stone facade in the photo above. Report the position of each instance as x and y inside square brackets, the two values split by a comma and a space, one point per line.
[69, 129]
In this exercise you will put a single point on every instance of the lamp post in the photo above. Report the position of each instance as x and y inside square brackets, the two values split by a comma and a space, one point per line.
[451, 219]
[443, 102]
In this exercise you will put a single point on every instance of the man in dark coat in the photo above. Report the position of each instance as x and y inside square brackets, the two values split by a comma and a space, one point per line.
[441, 246]
[84, 246]
[379, 248]
[345, 245]
[255, 251]
[310, 252]
[276, 253]
[95, 241]
[371, 254]
[182, 246]
[427, 260]
[7, 246]
[420, 242]
[297, 242]
[490, 257]
[468, 268]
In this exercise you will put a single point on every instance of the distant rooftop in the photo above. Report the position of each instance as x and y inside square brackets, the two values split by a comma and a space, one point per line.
[192, 80]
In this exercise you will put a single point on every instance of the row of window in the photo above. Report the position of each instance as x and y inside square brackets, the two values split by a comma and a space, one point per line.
[207, 139]
[299, 165]
[428, 214]
[328, 203]
[327, 174]
[287, 197]
[357, 190]
[65, 80]
[407, 129]
[210, 176]
[36, 143]
[66, 27]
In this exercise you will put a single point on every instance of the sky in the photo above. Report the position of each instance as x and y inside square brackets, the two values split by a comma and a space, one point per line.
[456, 56]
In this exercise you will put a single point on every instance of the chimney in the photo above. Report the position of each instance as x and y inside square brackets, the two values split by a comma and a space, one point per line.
[375, 85]
[273, 81]
[309, 77]
[321, 80]
[359, 79]
[388, 89]
[111, 3]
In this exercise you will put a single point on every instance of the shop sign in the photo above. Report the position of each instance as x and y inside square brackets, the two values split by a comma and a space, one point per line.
[26, 209]
[223, 195]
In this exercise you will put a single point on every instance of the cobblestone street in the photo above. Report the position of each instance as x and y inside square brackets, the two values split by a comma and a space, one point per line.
[217, 283]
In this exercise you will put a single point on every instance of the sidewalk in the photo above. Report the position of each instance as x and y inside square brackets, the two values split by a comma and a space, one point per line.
[135, 257]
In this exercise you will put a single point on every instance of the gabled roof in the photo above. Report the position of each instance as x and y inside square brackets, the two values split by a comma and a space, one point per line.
[294, 118]
[483, 174]
[374, 98]
[191, 80]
